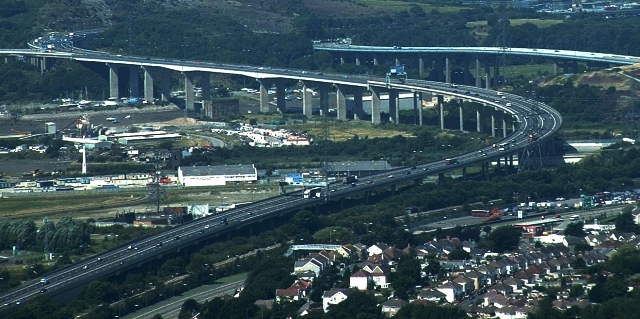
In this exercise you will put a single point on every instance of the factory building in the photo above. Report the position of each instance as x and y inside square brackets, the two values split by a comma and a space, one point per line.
[218, 175]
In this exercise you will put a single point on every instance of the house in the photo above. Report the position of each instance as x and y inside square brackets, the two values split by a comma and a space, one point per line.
[392, 306]
[334, 297]
[308, 264]
[288, 294]
[510, 312]
[431, 295]
[377, 273]
[377, 249]
[303, 285]
[393, 253]
[503, 289]
[479, 280]
[514, 283]
[360, 280]
[466, 283]
[452, 291]
[348, 251]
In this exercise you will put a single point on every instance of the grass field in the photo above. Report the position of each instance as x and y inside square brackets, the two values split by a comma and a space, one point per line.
[528, 71]
[394, 5]
[340, 131]
[540, 23]
[85, 204]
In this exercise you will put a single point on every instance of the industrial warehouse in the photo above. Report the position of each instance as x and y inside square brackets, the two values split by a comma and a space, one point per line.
[217, 175]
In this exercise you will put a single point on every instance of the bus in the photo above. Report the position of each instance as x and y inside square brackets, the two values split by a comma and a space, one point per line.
[574, 217]
[451, 161]
[503, 146]
[315, 192]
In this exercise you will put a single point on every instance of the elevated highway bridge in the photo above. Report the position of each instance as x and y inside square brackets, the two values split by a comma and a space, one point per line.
[528, 118]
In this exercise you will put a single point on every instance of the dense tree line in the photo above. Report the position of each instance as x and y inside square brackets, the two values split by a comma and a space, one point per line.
[65, 236]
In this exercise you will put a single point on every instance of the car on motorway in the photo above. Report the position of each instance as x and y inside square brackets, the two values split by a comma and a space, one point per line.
[201, 231]
[414, 167]
[43, 290]
[206, 226]
[99, 259]
[159, 244]
[7, 304]
[390, 176]
[85, 267]
[177, 238]
[407, 173]
[224, 221]
[18, 302]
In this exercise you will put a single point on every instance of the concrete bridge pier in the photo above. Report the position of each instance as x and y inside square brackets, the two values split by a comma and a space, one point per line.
[421, 68]
[357, 61]
[420, 98]
[341, 60]
[281, 102]
[506, 165]
[504, 126]
[45, 64]
[205, 85]
[165, 84]
[113, 80]
[358, 108]
[393, 190]
[441, 111]
[447, 70]
[478, 121]
[493, 123]
[323, 89]
[461, 115]
[147, 83]
[375, 61]
[393, 106]
[464, 173]
[440, 178]
[487, 76]
[478, 76]
[265, 107]
[341, 101]
[189, 95]
[496, 74]
[375, 104]
[397, 61]
[134, 81]
[307, 106]
[415, 108]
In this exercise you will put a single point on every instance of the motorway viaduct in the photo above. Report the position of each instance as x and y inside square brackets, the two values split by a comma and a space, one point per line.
[465, 57]
[527, 117]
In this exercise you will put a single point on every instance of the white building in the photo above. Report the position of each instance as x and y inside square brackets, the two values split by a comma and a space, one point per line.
[218, 175]
[334, 297]
[359, 280]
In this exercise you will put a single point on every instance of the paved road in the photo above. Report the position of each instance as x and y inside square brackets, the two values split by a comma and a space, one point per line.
[170, 308]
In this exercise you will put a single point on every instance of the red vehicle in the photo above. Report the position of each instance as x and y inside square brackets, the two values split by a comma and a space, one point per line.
[165, 180]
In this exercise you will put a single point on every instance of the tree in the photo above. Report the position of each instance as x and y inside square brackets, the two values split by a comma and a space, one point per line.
[501, 239]
[358, 305]
[575, 229]
[189, 308]
[625, 223]
[576, 291]
[459, 254]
